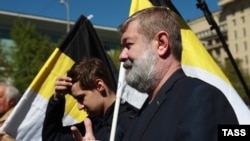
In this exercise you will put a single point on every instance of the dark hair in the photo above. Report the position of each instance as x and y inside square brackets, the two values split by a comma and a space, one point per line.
[88, 70]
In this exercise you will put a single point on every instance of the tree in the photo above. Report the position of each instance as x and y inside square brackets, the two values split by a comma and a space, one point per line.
[229, 71]
[4, 66]
[29, 53]
[114, 55]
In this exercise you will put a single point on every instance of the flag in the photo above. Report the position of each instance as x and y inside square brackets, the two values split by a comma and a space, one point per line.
[26, 120]
[197, 62]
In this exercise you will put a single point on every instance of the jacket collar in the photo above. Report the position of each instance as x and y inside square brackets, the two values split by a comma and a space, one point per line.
[154, 105]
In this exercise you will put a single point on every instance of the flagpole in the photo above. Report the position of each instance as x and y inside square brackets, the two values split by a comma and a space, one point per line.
[120, 89]
[203, 6]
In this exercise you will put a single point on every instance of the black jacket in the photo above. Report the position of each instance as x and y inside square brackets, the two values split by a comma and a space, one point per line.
[53, 129]
[185, 109]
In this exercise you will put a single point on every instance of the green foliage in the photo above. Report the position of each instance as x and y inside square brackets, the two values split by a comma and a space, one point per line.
[4, 66]
[30, 52]
[229, 71]
[114, 54]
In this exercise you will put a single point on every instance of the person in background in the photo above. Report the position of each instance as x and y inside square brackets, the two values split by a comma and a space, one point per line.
[9, 97]
[91, 84]
[179, 108]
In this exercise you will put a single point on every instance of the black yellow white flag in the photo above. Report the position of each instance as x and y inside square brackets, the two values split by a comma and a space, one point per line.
[25, 122]
[195, 60]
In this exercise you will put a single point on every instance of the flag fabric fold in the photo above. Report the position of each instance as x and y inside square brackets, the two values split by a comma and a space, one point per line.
[197, 62]
[26, 120]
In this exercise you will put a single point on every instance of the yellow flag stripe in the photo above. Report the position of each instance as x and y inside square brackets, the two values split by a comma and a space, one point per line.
[139, 5]
[197, 62]
[191, 45]
[193, 49]
[44, 82]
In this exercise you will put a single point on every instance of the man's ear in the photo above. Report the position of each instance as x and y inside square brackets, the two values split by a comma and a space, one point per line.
[12, 102]
[99, 85]
[162, 39]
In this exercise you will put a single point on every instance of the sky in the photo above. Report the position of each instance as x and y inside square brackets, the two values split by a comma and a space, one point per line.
[105, 12]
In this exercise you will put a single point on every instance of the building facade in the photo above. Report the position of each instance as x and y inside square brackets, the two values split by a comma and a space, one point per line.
[54, 28]
[233, 21]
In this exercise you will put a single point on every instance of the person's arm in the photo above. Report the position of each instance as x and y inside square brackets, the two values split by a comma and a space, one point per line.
[53, 126]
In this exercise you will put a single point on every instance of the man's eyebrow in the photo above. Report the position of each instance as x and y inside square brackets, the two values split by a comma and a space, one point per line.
[79, 96]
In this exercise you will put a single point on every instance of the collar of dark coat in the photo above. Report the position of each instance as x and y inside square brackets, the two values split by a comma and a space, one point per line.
[161, 96]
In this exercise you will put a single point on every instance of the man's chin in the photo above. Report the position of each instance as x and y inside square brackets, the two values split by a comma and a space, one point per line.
[127, 71]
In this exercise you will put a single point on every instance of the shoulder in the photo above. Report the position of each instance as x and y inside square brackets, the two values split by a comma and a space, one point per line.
[192, 89]
[127, 111]
[197, 84]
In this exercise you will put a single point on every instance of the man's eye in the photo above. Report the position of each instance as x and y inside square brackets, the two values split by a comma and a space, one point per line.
[128, 45]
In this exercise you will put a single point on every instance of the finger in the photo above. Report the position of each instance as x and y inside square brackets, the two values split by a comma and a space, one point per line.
[62, 84]
[89, 130]
[63, 80]
[76, 133]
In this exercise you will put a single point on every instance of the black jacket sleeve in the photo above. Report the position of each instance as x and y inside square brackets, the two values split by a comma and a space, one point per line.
[53, 129]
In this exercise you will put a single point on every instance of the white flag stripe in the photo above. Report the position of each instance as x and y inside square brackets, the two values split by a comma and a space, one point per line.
[240, 108]
[28, 115]
[127, 93]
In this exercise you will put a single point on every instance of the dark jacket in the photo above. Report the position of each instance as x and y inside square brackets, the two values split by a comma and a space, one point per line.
[185, 109]
[53, 129]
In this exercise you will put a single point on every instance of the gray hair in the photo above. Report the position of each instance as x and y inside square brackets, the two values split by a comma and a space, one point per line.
[155, 19]
[11, 92]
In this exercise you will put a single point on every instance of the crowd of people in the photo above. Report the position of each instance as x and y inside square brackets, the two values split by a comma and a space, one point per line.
[178, 108]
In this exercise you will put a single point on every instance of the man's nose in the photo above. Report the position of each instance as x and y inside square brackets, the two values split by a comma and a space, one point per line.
[123, 55]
